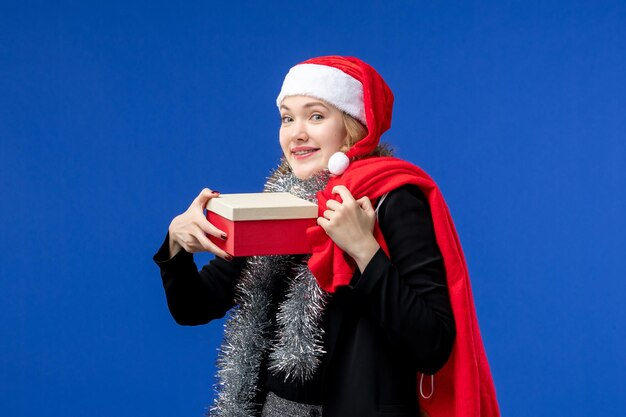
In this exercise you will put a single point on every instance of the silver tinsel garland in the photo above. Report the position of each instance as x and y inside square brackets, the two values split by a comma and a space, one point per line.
[296, 349]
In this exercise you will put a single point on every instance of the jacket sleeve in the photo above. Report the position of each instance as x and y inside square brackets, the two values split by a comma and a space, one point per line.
[197, 297]
[407, 294]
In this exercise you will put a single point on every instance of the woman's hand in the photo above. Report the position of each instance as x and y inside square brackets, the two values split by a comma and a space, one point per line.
[190, 229]
[350, 225]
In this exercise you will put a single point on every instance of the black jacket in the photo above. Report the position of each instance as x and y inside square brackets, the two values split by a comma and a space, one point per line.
[393, 321]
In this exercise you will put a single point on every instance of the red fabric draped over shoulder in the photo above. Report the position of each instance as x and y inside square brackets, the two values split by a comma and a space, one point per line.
[464, 387]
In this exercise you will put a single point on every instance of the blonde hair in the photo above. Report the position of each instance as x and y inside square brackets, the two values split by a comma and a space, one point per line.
[355, 131]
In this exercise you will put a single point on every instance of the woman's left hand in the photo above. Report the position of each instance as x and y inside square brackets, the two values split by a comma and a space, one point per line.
[350, 225]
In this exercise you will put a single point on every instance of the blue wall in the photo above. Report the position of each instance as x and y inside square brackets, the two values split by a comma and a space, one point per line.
[113, 116]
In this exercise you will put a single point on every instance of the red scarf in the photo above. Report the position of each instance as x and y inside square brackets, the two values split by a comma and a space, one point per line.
[464, 387]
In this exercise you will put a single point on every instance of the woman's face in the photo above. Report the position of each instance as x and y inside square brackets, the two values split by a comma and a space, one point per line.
[311, 131]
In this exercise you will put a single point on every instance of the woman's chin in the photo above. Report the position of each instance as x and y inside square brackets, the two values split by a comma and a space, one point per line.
[305, 172]
[305, 175]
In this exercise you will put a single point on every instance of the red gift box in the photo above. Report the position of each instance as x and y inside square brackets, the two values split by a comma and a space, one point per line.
[262, 223]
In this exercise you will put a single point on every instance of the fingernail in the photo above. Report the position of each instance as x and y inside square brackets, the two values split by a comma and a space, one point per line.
[215, 192]
[224, 236]
[228, 258]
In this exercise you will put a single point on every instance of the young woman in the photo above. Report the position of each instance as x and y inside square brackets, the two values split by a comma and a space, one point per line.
[351, 329]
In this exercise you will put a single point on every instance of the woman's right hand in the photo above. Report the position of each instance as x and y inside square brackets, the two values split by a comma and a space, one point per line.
[190, 229]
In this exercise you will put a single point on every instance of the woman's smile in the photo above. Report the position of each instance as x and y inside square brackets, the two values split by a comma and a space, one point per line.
[302, 152]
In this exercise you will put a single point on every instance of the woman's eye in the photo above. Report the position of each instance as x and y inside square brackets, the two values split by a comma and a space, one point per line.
[286, 119]
[317, 117]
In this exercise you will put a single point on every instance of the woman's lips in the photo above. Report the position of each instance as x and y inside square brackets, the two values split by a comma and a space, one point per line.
[303, 153]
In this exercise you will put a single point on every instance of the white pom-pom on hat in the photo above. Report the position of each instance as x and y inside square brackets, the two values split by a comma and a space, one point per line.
[338, 163]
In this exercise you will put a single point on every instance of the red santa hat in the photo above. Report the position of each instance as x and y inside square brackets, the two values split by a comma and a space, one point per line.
[352, 86]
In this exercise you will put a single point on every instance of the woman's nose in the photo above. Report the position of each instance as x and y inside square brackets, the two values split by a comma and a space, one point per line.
[300, 132]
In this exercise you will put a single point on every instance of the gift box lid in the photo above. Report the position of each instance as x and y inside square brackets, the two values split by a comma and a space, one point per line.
[262, 206]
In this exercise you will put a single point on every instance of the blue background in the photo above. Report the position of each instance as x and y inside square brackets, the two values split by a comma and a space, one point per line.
[114, 115]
